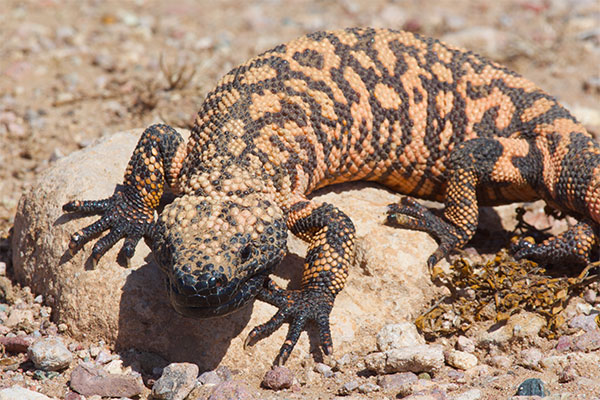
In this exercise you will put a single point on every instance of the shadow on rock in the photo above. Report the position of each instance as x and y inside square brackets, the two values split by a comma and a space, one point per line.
[148, 322]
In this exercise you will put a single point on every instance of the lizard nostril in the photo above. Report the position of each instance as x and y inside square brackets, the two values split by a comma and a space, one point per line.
[245, 253]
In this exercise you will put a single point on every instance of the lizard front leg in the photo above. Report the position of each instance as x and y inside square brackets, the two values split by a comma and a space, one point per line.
[330, 234]
[129, 212]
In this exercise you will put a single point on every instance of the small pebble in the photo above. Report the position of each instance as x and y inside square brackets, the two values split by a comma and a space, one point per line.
[65, 34]
[420, 358]
[17, 392]
[278, 378]
[554, 363]
[39, 375]
[35, 119]
[532, 387]
[456, 376]
[57, 154]
[176, 381]
[564, 343]
[15, 344]
[83, 354]
[368, 388]
[394, 382]
[18, 316]
[73, 396]
[499, 361]
[465, 344]
[461, 359]
[104, 61]
[588, 341]
[103, 357]
[114, 367]
[210, 378]
[590, 296]
[224, 373]
[2, 268]
[95, 350]
[568, 374]
[394, 336]
[346, 361]
[324, 370]
[585, 322]
[530, 358]
[584, 308]
[420, 386]
[231, 390]
[349, 387]
[425, 376]
[90, 380]
[50, 354]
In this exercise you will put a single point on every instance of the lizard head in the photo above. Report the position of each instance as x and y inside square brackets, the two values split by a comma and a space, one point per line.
[218, 251]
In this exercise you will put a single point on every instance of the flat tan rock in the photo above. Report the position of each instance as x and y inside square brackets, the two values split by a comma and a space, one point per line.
[128, 307]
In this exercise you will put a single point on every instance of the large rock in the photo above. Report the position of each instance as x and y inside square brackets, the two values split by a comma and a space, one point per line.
[128, 307]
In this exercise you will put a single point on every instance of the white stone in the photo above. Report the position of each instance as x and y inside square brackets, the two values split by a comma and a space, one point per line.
[393, 336]
[19, 393]
[50, 354]
[422, 358]
[461, 359]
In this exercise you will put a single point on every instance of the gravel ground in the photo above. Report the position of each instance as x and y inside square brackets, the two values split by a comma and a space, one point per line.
[73, 71]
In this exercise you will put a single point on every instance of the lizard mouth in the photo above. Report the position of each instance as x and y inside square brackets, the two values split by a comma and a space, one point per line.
[215, 302]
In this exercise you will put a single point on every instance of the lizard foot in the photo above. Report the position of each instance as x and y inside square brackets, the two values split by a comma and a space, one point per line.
[574, 246]
[122, 216]
[410, 214]
[295, 307]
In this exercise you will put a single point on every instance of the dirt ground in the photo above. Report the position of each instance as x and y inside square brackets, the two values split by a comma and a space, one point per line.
[73, 71]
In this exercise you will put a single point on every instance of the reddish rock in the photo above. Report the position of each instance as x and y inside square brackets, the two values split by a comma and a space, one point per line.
[89, 380]
[278, 378]
[564, 343]
[231, 390]
[394, 382]
[589, 341]
[16, 344]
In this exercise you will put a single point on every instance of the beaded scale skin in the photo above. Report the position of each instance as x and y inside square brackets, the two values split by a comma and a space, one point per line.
[421, 117]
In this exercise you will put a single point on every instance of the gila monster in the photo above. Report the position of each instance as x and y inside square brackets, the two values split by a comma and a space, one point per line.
[421, 117]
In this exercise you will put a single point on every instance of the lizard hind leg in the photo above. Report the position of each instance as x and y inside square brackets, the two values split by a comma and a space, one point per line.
[479, 162]
[574, 246]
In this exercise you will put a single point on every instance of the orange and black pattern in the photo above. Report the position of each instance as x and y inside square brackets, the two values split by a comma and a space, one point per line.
[426, 119]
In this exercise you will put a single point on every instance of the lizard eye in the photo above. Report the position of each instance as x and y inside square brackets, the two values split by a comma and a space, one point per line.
[245, 253]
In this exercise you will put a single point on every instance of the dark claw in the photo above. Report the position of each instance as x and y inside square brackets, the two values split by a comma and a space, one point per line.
[129, 246]
[325, 336]
[75, 243]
